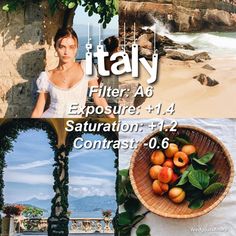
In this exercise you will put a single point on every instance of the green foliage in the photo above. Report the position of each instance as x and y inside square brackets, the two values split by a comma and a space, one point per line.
[129, 218]
[12, 210]
[58, 223]
[213, 188]
[32, 212]
[182, 139]
[9, 131]
[196, 204]
[143, 230]
[106, 9]
[206, 158]
[184, 178]
[199, 180]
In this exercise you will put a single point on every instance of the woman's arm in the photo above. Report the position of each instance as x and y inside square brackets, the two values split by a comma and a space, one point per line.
[39, 107]
[99, 101]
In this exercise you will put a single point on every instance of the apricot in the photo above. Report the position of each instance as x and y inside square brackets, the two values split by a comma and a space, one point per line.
[171, 150]
[154, 171]
[165, 175]
[174, 178]
[180, 159]
[159, 187]
[188, 149]
[169, 163]
[176, 195]
[157, 157]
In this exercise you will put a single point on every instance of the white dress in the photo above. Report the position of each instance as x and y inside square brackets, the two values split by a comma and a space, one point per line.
[62, 99]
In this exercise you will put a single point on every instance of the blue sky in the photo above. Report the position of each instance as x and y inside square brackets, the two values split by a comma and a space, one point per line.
[29, 169]
[80, 25]
[82, 18]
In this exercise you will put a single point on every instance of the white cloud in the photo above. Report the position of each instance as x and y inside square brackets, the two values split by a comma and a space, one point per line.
[91, 191]
[82, 153]
[89, 181]
[95, 170]
[31, 165]
[24, 178]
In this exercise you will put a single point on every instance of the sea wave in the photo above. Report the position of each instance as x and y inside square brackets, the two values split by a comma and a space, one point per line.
[223, 43]
[207, 40]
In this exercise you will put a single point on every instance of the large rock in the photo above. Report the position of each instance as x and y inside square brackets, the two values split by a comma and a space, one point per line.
[180, 15]
[145, 52]
[176, 55]
[144, 41]
[218, 17]
[143, 12]
[188, 19]
[206, 80]
[208, 67]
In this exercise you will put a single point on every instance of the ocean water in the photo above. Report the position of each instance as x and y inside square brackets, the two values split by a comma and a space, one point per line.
[82, 42]
[216, 43]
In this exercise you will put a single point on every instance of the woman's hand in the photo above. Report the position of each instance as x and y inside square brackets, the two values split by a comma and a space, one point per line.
[99, 101]
[39, 107]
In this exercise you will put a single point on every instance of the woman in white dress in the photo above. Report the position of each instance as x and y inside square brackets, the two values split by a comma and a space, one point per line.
[67, 84]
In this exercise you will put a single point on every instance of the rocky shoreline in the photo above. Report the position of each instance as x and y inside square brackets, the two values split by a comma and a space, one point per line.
[181, 15]
[165, 47]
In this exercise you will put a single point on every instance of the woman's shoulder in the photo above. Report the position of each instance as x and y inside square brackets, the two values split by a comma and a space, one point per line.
[42, 81]
[43, 75]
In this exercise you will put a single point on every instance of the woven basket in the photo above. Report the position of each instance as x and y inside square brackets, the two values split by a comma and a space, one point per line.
[162, 205]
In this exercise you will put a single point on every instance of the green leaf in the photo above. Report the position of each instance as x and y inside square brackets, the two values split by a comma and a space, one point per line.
[124, 230]
[213, 188]
[183, 179]
[199, 179]
[197, 166]
[213, 178]
[199, 162]
[211, 171]
[143, 230]
[121, 198]
[190, 168]
[184, 136]
[6, 7]
[196, 204]
[124, 172]
[71, 5]
[181, 140]
[194, 196]
[206, 158]
[132, 205]
[192, 156]
[90, 13]
[124, 218]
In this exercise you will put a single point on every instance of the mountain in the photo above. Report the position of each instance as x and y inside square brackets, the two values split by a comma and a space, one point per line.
[93, 203]
[78, 205]
[45, 204]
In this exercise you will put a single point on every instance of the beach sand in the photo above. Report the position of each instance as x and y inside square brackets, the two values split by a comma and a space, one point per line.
[176, 85]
